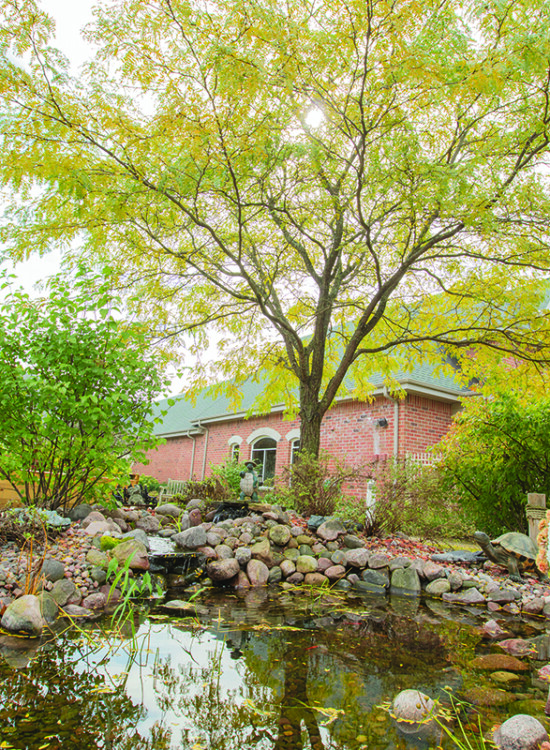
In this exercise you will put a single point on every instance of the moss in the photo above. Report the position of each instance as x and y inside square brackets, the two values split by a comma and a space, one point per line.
[109, 542]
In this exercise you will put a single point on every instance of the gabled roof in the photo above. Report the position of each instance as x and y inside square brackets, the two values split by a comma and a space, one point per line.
[186, 416]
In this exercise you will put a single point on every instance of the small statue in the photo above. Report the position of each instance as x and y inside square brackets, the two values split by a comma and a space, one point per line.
[249, 484]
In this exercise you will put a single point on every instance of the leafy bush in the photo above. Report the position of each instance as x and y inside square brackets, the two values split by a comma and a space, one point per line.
[152, 484]
[229, 475]
[210, 490]
[497, 451]
[313, 486]
[415, 500]
[76, 390]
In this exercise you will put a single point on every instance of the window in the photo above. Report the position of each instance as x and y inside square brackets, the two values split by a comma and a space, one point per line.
[235, 452]
[264, 454]
[294, 450]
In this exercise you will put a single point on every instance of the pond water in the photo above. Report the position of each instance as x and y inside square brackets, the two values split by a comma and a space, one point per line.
[263, 670]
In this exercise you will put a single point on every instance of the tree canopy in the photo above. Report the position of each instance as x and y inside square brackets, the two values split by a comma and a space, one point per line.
[322, 188]
[76, 392]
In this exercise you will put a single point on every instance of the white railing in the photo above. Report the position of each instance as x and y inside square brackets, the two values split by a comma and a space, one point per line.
[426, 459]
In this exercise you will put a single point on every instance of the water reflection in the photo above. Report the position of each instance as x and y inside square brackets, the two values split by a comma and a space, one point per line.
[256, 672]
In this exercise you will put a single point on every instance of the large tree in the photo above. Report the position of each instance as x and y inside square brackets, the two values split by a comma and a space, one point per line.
[321, 187]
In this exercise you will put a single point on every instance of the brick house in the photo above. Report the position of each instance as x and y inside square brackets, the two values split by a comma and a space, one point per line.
[207, 432]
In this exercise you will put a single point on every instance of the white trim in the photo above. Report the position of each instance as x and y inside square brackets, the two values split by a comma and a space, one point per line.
[263, 432]
[235, 440]
[293, 434]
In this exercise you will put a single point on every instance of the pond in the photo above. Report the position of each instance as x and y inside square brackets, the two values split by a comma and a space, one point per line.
[258, 670]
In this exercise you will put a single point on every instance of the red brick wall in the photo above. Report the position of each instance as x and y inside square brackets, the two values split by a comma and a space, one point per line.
[349, 431]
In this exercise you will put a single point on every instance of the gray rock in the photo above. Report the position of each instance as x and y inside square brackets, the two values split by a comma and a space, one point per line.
[339, 557]
[379, 560]
[148, 523]
[222, 570]
[279, 534]
[257, 572]
[520, 732]
[93, 517]
[353, 542]
[502, 596]
[65, 592]
[97, 557]
[376, 577]
[399, 562]
[194, 503]
[369, 588]
[471, 596]
[433, 570]
[438, 587]
[306, 564]
[287, 567]
[331, 529]
[100, 527]
[95, 601]
[335, 572]
[405, 582]
[455, 580]
[224, 552]
[24, 616]
[53, 570]
[99, 575]
[413, 710]
[295, 578]
[314, 522]
[243, 555]
[357, 558]
[275, 575]
[291, 554]
[133, 553]
[48, 606]
[169, 510]
[79, 512]
[138, 534]
[191, 538]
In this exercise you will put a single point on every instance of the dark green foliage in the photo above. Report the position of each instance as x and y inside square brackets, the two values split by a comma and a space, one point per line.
[415, 500]
[497, 452]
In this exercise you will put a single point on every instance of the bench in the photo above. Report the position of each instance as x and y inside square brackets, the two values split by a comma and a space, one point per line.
[173, 487]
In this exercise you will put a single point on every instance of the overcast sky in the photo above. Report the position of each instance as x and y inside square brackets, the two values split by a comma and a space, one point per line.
[70, 17]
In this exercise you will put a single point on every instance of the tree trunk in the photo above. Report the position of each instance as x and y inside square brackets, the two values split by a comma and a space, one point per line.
[311, 416]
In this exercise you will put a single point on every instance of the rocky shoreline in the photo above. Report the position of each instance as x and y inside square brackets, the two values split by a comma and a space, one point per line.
[267, 547]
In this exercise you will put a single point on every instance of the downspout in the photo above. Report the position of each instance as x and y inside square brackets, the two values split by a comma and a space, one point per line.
[395, 403]
[206, 433]
[194, 439]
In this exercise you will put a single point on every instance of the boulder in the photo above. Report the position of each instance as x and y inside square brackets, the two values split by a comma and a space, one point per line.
[24, 615]
[331, 529]
[520, 732]
[192, 538]
[335, 572]
[138, 534]
[306, 564]
[53, 570]
[405, 582]
[257, 572]
[315, 579]
[133, 553]
[243, 555]
[48, 606]
[148, 523]
[279, 535]
[261, 551]
[222, 570]
[357, 558]
[169, 510]
[195, 517]
[93, 517]
[65, 592]
[413, 710]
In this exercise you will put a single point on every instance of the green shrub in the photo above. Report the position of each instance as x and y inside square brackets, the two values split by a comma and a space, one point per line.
[417, 501]
[313, 486]
[152, 484]
[497, 451]
[229, 475]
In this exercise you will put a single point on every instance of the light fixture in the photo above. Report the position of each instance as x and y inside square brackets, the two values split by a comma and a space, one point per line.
[382, 422]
